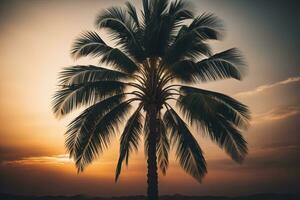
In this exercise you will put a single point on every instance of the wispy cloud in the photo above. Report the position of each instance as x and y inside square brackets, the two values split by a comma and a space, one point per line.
[277, 113]
[55, 159]
[48, 160]
[267, 87]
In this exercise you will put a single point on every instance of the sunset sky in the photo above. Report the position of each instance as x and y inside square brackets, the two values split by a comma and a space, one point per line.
[35, 42]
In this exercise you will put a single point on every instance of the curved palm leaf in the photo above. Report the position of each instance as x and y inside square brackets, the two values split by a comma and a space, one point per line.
[123, 29]
[215, 102]
[117, 20]
[188, 151]
[163, 147]
[227, 64]
[206, 26]
[186, 47]
[189, 40]
[119, 60]
[80, 126]
[160, 24]
[81, 74]
[90, 44]
[178, 12]
[219, 116]
[98, 135]
[74, 96]
[157, 29]
[179, 9]
[129, 139]
[169, 21]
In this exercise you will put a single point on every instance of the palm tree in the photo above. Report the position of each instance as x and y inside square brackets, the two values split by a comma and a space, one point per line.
[157, 55]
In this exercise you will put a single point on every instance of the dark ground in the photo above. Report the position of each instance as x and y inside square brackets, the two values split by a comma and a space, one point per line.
[169, 197]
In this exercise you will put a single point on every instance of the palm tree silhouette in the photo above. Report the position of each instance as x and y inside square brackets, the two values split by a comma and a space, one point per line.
[156, 56]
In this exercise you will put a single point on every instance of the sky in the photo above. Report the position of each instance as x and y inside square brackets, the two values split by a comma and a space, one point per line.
[36, 38]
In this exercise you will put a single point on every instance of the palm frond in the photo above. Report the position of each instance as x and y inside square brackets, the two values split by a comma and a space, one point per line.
[227, 64]
[129, 139]
[219, 116]
[207, 26]
[71, 97]
[189, 42]
[98, 135]
[119, 60]
[155, 27]
[180, 10]
[188, 150]
[161, 26]
[186, 47]
[80, 127]
[221, 104]
[163, 147]
[82, 74]
[123, 29]
[117, 21]
[165, 28]
[229, 138]
[90, 44]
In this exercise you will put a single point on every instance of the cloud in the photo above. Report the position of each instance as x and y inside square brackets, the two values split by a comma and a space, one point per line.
[47, 160]
[268, 86]
[277, 113]
[55, 159]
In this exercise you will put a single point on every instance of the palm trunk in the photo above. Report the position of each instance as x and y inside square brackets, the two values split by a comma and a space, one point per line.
[152, 177]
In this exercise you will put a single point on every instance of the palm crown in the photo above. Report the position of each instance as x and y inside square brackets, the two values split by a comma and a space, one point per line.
[156, 56]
